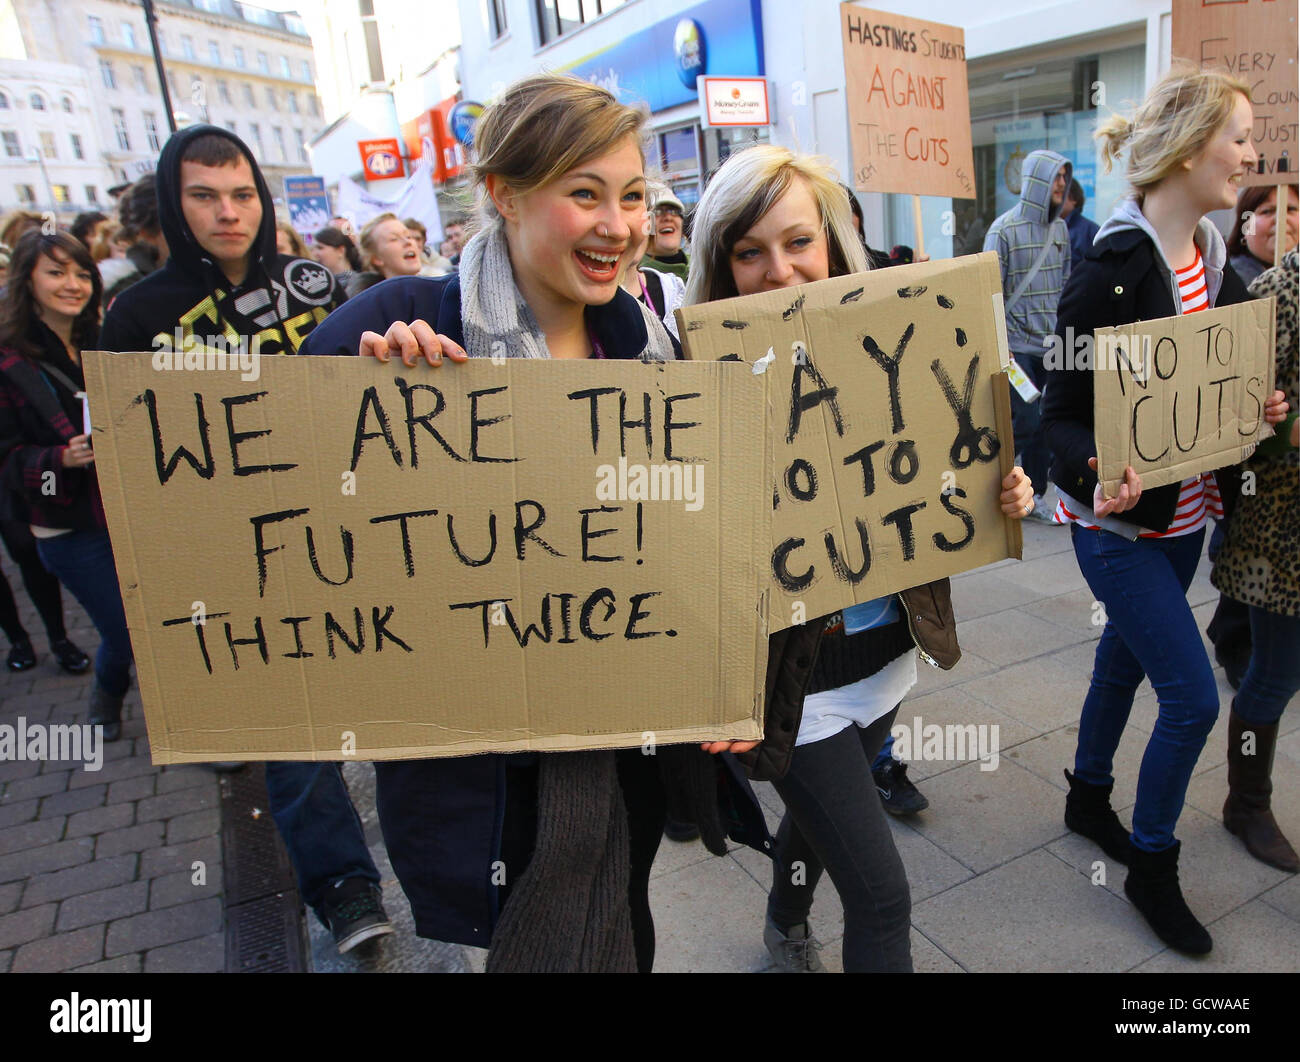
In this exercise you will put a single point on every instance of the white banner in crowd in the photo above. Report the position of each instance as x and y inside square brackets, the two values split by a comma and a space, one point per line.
[416, 199]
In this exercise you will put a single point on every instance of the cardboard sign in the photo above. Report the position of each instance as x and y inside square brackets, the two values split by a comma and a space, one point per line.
[1254, 40]
[341, 558]
[1182, 395]
[892, 427]
[909, 112]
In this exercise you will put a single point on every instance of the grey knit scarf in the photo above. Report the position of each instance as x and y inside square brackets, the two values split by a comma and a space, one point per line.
[568, 911]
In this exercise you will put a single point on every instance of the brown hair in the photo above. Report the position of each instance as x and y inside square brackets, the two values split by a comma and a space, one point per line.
[337, 238]
[545, 125]
[14, 224]
[18, 309]
[1180, 115]
[295, 240]
[367, 239]
[212, 150]
[1248, 202]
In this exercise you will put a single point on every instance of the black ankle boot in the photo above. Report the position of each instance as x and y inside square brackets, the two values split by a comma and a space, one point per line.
[106, 711]
[1152, 885]
[1088, 812]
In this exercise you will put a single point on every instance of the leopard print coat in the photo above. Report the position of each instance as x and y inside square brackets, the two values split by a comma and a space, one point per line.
[1260, 560]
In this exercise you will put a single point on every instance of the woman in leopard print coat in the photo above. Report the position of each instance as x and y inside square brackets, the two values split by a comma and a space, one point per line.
[1259, 565]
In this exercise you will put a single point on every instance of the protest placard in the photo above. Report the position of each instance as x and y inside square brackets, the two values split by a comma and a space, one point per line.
[340, 558]
[1255, 41]
[1182, 395]
[891, 425]
[909, 112]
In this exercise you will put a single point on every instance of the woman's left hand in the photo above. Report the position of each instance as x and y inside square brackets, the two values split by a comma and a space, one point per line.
[1275, 409]
[714, 747]
[1017, 495]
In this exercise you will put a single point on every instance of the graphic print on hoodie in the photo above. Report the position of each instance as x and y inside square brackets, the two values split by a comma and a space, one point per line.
[1019, 236]
[280, 301]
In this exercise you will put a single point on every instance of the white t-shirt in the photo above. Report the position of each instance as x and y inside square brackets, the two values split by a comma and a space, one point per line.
[861, 703]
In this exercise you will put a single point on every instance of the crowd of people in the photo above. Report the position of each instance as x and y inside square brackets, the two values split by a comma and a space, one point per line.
[574, 256]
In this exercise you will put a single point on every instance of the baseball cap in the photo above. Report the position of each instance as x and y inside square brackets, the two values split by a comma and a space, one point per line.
[668, 201]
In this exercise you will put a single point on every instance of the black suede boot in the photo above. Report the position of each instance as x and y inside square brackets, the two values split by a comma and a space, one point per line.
[1088, 812]
[1152, 885]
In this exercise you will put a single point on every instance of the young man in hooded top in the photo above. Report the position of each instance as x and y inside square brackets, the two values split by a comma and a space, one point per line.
[225, 279]
[1033, 246]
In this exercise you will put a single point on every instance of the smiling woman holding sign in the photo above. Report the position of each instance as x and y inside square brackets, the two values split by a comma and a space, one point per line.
[547, 857]
[1158, 256]
[771, 219]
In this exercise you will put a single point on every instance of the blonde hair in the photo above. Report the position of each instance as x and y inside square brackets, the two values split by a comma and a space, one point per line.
[742, 191]
[102, 247]
[295, 240]
[367, 237]
[545, 125]
[1180, 115]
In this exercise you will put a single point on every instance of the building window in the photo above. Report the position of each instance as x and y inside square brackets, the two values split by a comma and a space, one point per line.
[555, 18]
[278, 133]
[497, 18]
[256, 132]
[61, 194]
[107, 75]
[96, 29]
[140, 79]
[128, 35]
[119, 127]
[4, 102]
[13, 149]
[248, 95]
[78, 152]
[171, 81]
[271, 100]
[37, 101]
[231, 126]
[151, 131]
[26, 194]
[92, 194]
[284, 67]
[306, 70]
[313, 105]
[293, 102]
[239, 57]
[187, 46]
[263, 63]
[48, 147]
[223, 91]
[302, 147]
[162, 41]
[66, 104]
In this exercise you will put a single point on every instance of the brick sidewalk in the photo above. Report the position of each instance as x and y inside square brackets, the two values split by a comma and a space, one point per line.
[98, 869]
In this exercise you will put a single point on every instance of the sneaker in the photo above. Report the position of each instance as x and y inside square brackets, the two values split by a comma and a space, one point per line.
[795, 950]
[22, 657]
[70, 658]
[897, 794]
[354, 913]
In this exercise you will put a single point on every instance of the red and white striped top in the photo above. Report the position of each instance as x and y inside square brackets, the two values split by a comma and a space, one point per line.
[1198, 499]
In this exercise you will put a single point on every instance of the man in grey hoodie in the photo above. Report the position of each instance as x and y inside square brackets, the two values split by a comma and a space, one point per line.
[1033, 246]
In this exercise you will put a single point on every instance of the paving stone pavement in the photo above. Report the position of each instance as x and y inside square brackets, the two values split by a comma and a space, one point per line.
[114, 870]
[98, 869]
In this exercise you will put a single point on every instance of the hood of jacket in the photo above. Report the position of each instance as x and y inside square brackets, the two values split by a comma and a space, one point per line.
[1128, 215]
[1037, 175]
[185, 250]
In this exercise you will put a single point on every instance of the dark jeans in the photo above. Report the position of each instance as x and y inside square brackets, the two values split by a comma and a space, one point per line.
[42, 587]
[834, 820]
[1149, 632]
[1229, 629]
[319, 826]
[83, 562]
[1027, 425]
[1273, 676]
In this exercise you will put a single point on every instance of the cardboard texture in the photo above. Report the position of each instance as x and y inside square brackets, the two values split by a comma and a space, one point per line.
[891, 427]
[1256, 41]
[564, 577]
[909, 111]
[1182, 395]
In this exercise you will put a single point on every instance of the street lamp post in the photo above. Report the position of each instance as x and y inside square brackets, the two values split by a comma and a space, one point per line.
[36, 157]
[151, 23]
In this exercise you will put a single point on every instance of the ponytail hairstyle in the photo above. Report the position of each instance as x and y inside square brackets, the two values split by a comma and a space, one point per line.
[340, 240]
[741, 192]
[1180, 115]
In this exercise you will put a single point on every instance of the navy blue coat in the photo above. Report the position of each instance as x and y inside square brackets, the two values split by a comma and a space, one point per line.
[443, 820]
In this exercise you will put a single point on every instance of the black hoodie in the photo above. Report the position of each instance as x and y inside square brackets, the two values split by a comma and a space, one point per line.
[280, 301]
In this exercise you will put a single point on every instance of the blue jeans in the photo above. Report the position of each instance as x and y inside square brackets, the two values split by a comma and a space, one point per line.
[1027, 425]
[83, 562]
[1273, 676]
[1149, 631]
[319, 826]
[886, 754]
